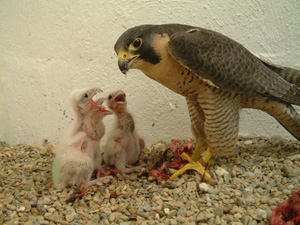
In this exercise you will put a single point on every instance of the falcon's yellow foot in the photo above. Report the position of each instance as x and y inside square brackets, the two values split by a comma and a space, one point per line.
[194, 163]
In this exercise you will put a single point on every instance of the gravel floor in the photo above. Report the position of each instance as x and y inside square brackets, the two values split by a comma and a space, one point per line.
[243, 190]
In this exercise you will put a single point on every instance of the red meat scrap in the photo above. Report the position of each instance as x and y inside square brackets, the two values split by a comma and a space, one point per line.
[288, 212]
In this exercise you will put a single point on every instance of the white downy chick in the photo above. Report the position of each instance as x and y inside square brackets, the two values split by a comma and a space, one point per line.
[94, 127]
[74, 160]
[123, 146]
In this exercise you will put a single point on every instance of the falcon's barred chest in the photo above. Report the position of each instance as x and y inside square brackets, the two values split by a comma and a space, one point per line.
[218, 108]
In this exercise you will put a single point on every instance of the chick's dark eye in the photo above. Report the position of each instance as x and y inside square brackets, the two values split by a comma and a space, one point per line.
[137, 43]
[124, 95]
[85, 95]
[110, 97]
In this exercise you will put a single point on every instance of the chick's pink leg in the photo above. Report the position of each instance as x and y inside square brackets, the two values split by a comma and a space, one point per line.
[73, 195]
[80, 192]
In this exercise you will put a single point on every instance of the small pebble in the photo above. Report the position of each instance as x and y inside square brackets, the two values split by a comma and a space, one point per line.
[245, 220]
[219, 211]
[227, 178]
[11, 207]
[21, 209]
[204, 187]
[70, 217]
[249, 174]
[147, 207]
[180, 220]
[172, 213]
[221, 171]
[182, 211]
[259, 214]
[294, 157]
[213, 191]
[248, 142]
[112, 218]
[264, 199]
[167, 211]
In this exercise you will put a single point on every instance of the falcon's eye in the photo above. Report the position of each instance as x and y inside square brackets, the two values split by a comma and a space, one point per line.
[136, 44]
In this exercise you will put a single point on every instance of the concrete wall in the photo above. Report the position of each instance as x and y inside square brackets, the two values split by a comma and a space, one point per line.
[48, 48]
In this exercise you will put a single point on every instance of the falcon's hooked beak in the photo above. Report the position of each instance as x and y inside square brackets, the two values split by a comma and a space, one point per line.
[125, 60]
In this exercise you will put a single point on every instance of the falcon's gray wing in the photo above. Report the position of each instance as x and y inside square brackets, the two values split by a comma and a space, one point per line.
[230, 66]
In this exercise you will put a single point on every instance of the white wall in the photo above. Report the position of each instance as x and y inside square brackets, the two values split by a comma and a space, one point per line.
[48, 48]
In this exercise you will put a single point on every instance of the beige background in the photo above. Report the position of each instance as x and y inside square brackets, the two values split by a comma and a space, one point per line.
[48, 48]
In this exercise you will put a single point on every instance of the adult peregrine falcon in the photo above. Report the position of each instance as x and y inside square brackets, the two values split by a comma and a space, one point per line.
[217, 76]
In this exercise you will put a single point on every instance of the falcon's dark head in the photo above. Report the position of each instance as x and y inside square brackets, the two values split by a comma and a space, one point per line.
[135, 46]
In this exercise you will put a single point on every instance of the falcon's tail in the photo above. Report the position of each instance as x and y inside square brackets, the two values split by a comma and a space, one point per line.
[285, 114]
[288, 117]
[289, 74]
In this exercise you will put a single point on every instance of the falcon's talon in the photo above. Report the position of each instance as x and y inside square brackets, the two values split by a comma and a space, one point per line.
[203, 162]
[194, 163]
[207, 156]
